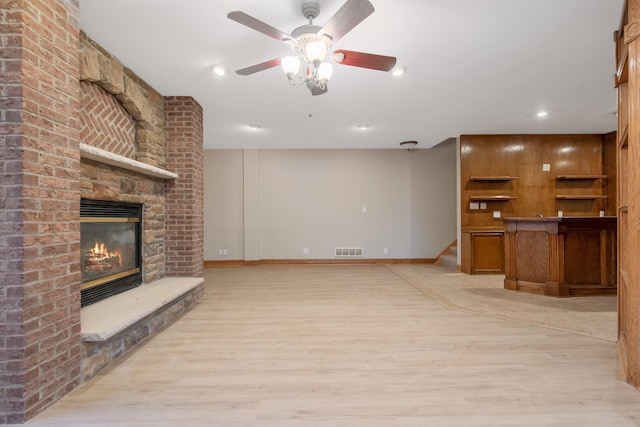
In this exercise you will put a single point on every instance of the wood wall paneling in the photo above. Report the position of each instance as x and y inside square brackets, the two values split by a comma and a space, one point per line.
[504, 173]
[628, 180]
[610, 153]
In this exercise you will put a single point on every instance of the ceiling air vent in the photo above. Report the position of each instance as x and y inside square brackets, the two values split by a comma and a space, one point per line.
[348, 252]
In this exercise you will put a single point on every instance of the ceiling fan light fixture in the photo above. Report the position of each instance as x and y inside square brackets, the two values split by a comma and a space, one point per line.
[290, 65]
[316, 51]
[325, 71]
[312, 45]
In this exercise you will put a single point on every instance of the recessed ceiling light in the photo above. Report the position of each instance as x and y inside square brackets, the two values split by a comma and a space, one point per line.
[542, 114]
[219, 70]
[364, 127]
[255, 127]
[398, 71]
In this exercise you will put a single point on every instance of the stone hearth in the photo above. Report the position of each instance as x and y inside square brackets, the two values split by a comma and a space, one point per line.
[114, 326]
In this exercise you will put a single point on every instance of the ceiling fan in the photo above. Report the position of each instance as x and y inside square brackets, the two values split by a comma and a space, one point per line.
[312, 61]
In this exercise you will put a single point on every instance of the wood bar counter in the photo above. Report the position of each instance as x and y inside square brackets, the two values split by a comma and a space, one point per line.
[561, 256]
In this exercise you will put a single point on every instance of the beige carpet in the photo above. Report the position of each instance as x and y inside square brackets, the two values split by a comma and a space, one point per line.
[594, 316]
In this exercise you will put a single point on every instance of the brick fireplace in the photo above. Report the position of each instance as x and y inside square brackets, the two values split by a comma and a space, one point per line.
[76, 124]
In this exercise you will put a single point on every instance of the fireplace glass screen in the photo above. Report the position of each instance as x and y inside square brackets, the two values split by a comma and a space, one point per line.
[110, 248]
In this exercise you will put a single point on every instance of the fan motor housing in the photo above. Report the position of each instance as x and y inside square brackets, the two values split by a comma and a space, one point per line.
[309, 33]
[310, 10]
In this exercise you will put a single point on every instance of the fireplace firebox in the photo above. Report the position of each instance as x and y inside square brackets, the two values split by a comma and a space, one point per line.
[111, 255]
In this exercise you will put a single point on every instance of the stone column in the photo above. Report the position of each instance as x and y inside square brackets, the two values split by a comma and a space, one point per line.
[39, 206]
[184, 241]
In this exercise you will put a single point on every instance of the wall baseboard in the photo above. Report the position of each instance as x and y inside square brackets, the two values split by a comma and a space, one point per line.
[239, 262]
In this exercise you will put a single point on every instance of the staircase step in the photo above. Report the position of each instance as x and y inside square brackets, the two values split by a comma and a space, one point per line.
[449, 261]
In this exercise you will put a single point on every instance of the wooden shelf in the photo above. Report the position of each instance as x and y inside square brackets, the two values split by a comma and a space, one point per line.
[580, 177]
[492, 178]
[585, 197]
[492, 198]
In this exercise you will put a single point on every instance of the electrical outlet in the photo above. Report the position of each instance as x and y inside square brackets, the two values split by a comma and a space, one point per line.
[220, 252]
[497, 214]
[224, 252]
[305, 251]
[386, 251]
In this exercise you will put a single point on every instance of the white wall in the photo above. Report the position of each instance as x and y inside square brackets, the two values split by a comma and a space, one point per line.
[315, 198]
[223, 204]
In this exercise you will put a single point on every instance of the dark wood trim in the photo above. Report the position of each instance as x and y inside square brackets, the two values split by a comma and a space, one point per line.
[240, 263]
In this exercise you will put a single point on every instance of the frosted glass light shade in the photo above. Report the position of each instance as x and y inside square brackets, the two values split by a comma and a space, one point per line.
[315, 51]
[325, 71]
[290, 65]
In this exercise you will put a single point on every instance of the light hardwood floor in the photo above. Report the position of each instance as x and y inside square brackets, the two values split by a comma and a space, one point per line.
[349, 346]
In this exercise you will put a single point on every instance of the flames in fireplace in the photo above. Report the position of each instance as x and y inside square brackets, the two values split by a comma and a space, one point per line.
[110, 241]
[108, 247]
[99, 258]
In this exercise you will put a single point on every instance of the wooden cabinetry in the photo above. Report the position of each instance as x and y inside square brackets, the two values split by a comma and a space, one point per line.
[628, 198]
[528, 176]
[561, 256]
[484, 251]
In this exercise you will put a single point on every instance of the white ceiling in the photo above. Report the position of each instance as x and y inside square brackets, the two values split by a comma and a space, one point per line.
[474, 67]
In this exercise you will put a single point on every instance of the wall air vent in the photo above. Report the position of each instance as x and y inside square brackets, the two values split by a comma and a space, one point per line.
[348, 252]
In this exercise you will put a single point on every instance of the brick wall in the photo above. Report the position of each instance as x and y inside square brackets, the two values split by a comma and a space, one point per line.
[185, 196]
[12, 339]
[105, 123]
[42, 179]
[40, 240]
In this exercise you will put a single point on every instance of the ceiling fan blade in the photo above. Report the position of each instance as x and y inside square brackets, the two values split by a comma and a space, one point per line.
[255, 24]
[350, 14]
[259, 67]
[319, 91]
[366, 60]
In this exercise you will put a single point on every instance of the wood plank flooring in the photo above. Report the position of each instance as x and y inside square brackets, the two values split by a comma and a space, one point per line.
[335, 345]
